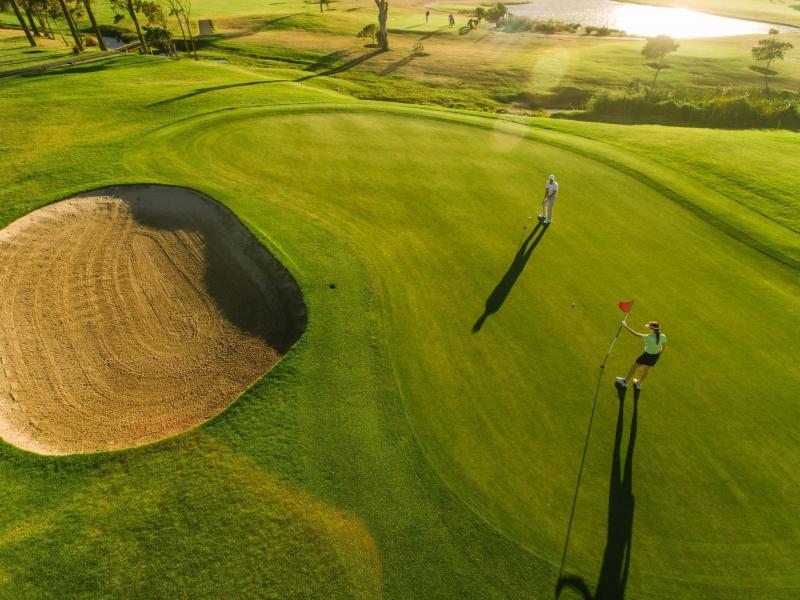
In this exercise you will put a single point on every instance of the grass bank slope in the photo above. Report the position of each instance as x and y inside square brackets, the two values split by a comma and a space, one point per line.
[770, 11]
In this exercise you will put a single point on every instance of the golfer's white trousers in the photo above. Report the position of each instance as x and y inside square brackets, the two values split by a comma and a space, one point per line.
[547, 208]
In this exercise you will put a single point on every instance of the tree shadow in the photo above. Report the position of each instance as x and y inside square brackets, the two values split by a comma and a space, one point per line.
[762, 70]
[498, 296]
[433, 32]
[399, 64]
[92, 67]
[614, 571]
[206, 90]
[326, 61]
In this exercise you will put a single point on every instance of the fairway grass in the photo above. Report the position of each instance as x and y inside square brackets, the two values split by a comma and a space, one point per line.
[396, 450]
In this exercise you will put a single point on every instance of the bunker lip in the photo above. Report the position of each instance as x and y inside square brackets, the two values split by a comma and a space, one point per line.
[132, 313]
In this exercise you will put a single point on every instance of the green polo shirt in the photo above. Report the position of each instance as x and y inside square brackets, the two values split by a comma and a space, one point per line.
[650, 344]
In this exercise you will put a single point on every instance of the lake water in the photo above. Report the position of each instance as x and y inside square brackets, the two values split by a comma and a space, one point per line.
[641, 20]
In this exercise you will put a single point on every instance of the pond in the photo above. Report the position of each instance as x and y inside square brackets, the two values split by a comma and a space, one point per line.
[641, 20]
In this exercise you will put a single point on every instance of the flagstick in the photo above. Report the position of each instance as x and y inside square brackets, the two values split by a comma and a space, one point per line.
[614, 341]
[583, 457]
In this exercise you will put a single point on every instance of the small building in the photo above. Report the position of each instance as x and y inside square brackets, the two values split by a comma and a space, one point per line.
[205, 27]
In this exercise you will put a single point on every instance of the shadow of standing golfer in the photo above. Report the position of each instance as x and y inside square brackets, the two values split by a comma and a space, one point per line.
[617, 555]
[501, 291]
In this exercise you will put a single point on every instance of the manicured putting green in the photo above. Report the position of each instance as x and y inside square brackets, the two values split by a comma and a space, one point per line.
[433, 204]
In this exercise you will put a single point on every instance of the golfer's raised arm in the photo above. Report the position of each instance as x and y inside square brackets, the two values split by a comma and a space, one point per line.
[636, 333]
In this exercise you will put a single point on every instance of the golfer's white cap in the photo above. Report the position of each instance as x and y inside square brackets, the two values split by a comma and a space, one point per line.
[552, 177]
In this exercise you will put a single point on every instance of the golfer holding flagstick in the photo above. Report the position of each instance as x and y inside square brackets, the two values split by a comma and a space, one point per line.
[654, 343]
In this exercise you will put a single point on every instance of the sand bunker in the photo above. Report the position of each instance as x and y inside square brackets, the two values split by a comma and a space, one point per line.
[133, 313]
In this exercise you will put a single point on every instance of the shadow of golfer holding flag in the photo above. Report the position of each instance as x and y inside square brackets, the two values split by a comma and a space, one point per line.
[617, 555]
[501, 291]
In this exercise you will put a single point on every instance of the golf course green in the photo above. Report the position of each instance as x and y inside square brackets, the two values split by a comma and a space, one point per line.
[424, 437]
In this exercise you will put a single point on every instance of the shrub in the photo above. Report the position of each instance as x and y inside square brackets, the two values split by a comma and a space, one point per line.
[519, 24]
[496, 13]
[368, 31]
[418, 49]
[89, 41]
[548, 27]
[114, 31]
[726, 109]
[602, 31]
[516, 24]
[158, 38]
[560, 97]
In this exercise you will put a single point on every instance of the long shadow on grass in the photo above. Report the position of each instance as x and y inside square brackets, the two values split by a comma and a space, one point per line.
[498, 296]
[617, 555]
[396, 65]
[343, 67]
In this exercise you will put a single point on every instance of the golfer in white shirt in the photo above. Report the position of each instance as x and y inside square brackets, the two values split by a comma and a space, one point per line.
[550, 197]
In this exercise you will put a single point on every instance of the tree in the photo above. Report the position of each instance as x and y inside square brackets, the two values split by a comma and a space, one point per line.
[26, 8]
[159, 38]
[157, 33]
[52, 12]
[182, 11]
[383, 16]
[88, 5]
[131, 8]
[71, 23]
[480, 14]
[656, 49]
[39, 9]
[496, 13]
[4, 5]
[368, 31]
[769, 50]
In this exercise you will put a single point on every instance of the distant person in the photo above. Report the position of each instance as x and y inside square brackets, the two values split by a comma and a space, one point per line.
[451, 19]
[550, 197]
[654, 343]
[427, 15]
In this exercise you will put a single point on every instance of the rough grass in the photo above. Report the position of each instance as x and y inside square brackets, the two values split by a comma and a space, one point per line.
[479, 69]
[16, 53]
[395, 452]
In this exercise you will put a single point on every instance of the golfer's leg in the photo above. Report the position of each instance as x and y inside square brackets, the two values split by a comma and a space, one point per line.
[543, 214]
[643, 376]
[631, 372]
[550, 206]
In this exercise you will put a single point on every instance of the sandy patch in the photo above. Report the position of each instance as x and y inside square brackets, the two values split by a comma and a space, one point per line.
[131, 314]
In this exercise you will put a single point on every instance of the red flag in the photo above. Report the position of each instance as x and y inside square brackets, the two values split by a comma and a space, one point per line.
[626, 306]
